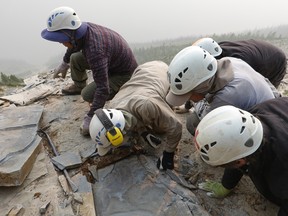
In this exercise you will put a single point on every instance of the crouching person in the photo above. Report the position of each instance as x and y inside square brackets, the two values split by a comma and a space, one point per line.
[252, 143]
[140, 104]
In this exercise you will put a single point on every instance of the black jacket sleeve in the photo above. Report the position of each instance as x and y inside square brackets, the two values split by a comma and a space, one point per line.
[231, 177]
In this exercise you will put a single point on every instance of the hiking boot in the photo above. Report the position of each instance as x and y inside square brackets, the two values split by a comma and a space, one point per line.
[72, 90]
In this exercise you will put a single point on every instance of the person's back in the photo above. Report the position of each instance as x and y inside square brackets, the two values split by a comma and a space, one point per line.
[272, 163]
[148, 80]
[247, 88]
[143, 96]
[104, 47]
[262, 56]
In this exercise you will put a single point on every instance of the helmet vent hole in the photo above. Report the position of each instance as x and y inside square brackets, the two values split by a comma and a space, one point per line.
[205, 157]
[177, 80]
[74, 14]
[202, 150]
[184, 71]
[110, 113]
[178, 86]
[242, 129]
[213, 143]
[244, 120]
[210, 67]
[249, 143]
[180, 75]
[206, 147]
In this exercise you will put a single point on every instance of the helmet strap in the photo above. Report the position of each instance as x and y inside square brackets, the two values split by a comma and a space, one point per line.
[71, 34]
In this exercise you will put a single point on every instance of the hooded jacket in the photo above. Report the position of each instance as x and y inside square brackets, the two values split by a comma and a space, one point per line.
[245, 89]
[143, 96]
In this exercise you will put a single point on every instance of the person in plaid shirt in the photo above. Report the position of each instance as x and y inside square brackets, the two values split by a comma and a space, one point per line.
[90, 47]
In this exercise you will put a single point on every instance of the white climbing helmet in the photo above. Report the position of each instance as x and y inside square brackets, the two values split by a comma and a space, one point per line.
[98, 132]
[227, 134]
[63, 18]
[210, 45]
[64, 25]
[189, 68]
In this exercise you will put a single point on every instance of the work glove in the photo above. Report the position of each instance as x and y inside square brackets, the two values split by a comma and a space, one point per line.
[188, 105]
[62, 68]
[180, 109]
[215, 189]
[84, 128]
[166, 161]
[183, 108]
[151, 139]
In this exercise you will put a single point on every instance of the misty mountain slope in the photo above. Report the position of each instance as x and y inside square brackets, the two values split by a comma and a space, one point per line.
[160, 49]
[16, 67]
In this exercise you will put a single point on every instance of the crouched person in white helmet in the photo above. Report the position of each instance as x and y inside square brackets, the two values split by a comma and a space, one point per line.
[265, 58]
[140, 104]
[252, 143]
[90, 47]
[196, 75]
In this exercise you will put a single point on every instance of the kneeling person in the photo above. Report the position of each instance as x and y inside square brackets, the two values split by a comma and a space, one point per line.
[140, 104]
[252, 143]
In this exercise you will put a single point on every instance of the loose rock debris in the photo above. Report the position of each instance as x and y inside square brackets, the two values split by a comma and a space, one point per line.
[64, 121]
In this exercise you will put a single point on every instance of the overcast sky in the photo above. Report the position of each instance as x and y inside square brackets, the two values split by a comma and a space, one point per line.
[136, 20]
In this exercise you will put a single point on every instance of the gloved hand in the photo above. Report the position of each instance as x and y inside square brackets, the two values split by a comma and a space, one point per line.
[84, 128]
[215, 189]
[183, 108]
[189, 104]
[62, 68]
[166, 161]
[180, 109]
[151, 139]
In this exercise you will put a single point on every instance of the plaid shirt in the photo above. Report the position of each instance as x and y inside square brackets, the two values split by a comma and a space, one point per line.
[107, 53]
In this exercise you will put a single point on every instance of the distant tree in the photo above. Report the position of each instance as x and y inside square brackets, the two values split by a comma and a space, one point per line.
[11, 80]
[166, 50]
[4, 78]
[271, 35]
